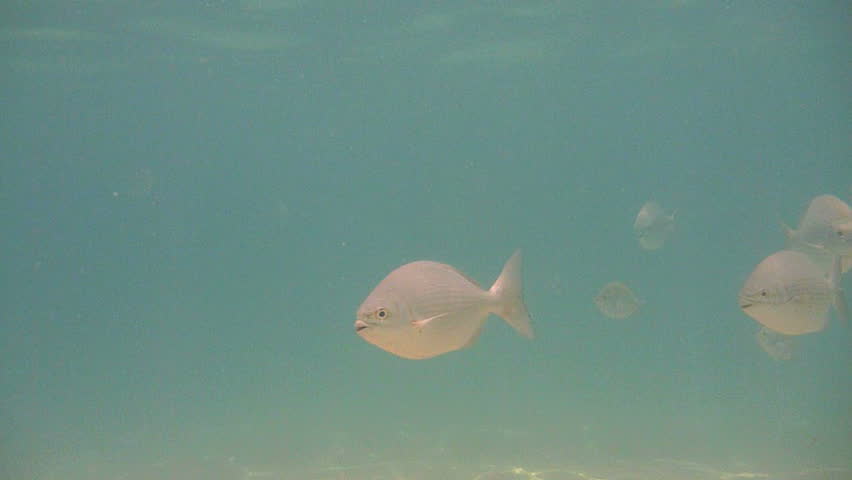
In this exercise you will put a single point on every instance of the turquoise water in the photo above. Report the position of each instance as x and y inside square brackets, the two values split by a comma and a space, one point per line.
[196, 199]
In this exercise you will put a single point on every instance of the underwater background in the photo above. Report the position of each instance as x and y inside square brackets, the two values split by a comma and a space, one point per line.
[196, 196]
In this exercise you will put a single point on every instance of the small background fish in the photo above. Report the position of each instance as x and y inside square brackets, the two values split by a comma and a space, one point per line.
[653, 226]
[776, 345]
[616, 300]
[823, 232]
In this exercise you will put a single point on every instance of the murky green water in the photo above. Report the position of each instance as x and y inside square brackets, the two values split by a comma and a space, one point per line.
[197, 196]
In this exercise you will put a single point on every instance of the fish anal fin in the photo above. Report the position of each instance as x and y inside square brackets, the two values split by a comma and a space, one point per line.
[473, 338]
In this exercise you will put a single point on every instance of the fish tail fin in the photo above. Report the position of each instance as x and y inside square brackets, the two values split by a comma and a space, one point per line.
[508, 292]
[839, 298]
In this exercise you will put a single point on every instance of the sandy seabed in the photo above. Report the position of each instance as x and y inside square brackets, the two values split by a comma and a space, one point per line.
[657, 469]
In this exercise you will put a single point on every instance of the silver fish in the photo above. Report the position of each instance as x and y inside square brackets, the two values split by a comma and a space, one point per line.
[653, 225]
[824, 231]
[616, 300]
[424, 309]
[789, 294]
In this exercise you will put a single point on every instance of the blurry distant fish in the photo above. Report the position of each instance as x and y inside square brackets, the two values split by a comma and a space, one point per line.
[423, 309]
[788, 294]
[653, 225]
[776, 345]
[824, 231]
[616, 300]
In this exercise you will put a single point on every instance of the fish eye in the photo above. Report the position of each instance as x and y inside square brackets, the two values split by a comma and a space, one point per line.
[382, 314]
[763, 293]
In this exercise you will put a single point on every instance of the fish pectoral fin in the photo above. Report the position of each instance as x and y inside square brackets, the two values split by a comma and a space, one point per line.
[815, 246]
[423, 322]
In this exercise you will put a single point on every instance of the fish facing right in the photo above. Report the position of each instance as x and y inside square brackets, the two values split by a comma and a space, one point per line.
[789, 294]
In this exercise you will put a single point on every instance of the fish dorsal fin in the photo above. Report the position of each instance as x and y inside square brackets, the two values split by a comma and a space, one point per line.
[787, 229]
[468, 278]
[653, 209]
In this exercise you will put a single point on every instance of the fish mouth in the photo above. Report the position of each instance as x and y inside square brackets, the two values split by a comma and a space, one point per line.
[360, 325]
[744, 301]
